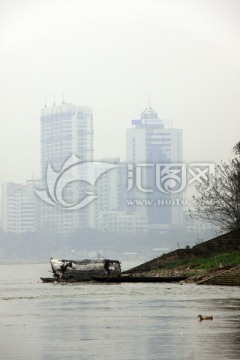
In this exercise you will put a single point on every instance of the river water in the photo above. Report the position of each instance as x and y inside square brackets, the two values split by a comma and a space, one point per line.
[114, 321]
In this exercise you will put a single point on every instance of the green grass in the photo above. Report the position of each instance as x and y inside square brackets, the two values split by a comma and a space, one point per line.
[174, 264]
[209, 262]
[231, 258]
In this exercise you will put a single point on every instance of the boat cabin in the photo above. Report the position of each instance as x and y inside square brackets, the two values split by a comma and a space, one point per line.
[84, 269]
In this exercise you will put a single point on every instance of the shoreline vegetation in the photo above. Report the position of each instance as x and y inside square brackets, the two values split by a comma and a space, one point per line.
[216, 262]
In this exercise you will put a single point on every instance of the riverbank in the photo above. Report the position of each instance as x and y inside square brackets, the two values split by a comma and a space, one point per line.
[205, 260]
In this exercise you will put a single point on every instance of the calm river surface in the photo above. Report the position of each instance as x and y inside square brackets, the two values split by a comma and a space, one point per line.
[114, 321]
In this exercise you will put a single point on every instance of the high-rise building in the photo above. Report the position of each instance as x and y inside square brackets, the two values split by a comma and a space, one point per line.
[110, 189]
[111, 186]
[110, 206]
[150, 144]
[66, 130]
[20, 208]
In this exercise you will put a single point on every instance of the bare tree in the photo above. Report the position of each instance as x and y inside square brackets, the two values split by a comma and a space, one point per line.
[218, 199]
[236, 149]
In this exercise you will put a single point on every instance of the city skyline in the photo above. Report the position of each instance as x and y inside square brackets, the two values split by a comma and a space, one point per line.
[67, 142]
[144, 193]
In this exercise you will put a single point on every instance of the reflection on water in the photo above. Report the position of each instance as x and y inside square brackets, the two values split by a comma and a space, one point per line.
[114, 321]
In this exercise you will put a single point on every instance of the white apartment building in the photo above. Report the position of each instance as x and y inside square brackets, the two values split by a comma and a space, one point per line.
[66, 130]
[110, 204]
[20, 211]
[110, 189]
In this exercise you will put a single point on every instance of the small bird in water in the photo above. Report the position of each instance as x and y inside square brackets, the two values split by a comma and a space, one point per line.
[200, 317]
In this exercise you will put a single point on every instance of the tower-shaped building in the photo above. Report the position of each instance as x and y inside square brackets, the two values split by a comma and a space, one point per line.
[152, 144]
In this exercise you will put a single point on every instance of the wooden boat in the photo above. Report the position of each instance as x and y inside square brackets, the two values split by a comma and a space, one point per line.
[82, 270]
[143, 279]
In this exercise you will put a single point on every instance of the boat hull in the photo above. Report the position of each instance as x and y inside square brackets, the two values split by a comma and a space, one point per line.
[64, 280]
[143, 279]
[120, 279]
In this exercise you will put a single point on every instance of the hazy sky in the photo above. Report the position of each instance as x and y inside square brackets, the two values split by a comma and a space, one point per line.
[111, 55]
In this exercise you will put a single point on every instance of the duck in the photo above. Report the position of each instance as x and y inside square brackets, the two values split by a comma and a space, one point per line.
[200, 317]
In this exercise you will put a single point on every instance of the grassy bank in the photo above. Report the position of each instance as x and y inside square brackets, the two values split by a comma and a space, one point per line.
[207, 263]
[204, 259]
